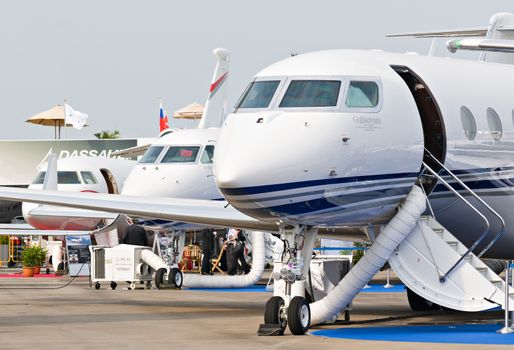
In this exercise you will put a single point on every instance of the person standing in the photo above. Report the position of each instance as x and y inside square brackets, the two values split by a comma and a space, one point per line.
[232, 250]
[206, 244]
[242, 267]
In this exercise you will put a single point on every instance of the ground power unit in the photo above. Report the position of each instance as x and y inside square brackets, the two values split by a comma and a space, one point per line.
[133, 264]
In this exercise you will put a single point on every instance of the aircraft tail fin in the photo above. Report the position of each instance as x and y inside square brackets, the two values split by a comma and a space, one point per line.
[501, 27]
[50, 181]
[216, 105]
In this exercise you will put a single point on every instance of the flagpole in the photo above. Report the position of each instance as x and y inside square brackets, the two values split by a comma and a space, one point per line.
[65, 119]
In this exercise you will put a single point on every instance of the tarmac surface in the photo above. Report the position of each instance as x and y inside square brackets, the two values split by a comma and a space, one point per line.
[37, 315]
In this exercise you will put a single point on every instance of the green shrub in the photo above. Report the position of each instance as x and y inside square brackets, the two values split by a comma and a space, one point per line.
[4, 240]
[31, 256]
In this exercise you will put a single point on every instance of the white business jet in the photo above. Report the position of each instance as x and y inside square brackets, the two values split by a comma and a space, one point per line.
[76, 174]
[352, 143]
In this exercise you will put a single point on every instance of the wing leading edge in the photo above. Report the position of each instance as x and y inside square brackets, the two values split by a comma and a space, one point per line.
[194, 211]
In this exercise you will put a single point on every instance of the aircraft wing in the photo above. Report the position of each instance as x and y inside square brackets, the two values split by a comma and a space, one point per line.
[131, 152]
[195, 211]
[481, 32]
[27, 230]
[60, 211]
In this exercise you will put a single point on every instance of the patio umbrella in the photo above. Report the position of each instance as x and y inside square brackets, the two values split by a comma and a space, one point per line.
[191, 111]
[53, 117]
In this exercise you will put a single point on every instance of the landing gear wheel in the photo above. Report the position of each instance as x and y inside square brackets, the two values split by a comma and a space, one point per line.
[298, 315]
[114, 285]
[97, 285]
[159, 277]
[132, 285]
[273, 313]
[148, 285]
[418, 303]
[175, 277]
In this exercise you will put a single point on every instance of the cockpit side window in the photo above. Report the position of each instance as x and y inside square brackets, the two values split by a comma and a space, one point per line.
[207, 154]
[362, 94]
[181, 154]
[67, 177]
[40, 178]
[311, 93]
[258, 94]
[151, 155]
[88, 178]
[63, 177]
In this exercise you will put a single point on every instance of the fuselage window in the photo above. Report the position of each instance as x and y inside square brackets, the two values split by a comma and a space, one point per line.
[495, 124]
[67, 177]
[258, 94]
[362, 94]
[88, 177]
[311, 93]
[184, 154]
[207, 154]
[468, 123]
[151, 155]
[63, 177]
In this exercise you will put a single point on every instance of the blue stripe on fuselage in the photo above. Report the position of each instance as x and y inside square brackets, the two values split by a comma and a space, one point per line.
[302, 184]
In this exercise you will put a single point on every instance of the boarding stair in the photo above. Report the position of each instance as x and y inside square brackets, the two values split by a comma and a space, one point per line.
[434, 264]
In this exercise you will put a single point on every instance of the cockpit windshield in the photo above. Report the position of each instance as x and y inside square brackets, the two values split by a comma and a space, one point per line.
[181, 154]
[311, 93]
[258, 94]
[151, 155]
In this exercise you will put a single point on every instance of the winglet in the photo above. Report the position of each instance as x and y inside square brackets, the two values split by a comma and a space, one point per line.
[215, 107]
[50, 181]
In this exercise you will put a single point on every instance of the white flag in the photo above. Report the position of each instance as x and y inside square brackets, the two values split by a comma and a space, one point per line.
[73, 117]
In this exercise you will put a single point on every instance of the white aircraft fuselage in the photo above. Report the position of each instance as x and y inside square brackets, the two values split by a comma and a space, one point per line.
[77, 174]
[177, 165]
[353, 162]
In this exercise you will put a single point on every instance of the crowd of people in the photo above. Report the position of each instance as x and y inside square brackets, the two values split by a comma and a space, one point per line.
[230, 246]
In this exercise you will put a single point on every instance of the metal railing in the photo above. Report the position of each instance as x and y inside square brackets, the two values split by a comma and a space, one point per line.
[470, 191]
[486, 222]
[10, 253]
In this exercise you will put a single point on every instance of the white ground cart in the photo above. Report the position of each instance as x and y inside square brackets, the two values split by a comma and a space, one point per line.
[133, 264]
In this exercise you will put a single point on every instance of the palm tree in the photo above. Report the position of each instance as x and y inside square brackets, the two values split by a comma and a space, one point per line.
[106, 134]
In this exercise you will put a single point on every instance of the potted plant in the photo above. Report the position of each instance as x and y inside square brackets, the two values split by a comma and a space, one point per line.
[29, 258]
[40, 257]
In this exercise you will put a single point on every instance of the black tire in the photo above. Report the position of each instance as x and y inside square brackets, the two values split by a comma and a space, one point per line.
[299, 316]
[114, 285]
[272, 312]
[496, 265]
[175, 277]
[159, 277]
[418, 303]
[97, 285]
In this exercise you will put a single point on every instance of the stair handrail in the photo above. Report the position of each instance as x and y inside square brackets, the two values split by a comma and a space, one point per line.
[494, 212]
[443, 278]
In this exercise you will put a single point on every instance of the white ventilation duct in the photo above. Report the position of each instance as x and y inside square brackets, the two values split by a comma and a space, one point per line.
[153, 260]
[392, 235]
[258, 258]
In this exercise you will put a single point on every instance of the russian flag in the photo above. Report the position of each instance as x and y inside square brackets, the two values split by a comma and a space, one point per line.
[163, 118]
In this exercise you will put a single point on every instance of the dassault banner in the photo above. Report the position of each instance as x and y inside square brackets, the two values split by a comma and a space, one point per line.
[19, 159]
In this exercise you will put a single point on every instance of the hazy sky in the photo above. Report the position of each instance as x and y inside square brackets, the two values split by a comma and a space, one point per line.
[115, 59]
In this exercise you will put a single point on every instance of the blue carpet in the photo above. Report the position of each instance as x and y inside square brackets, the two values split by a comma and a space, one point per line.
[379, 288]
[374, 288]
[258, 288]
[458, 334]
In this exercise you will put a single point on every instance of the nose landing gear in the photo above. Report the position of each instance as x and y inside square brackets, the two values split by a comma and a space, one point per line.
[288, 306]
